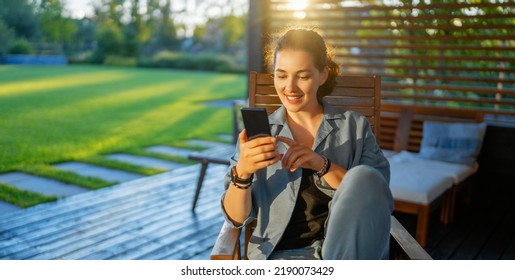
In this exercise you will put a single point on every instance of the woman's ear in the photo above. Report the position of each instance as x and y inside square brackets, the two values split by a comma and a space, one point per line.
[323, 75]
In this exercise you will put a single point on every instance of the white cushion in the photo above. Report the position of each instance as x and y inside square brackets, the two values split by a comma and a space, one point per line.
[459, 172]
[452, 142]
[411, 181]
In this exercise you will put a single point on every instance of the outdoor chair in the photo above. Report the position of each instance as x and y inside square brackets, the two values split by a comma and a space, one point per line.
[357, 93]
[422, 184]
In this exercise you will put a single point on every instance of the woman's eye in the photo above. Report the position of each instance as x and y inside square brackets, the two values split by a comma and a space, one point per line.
[280, 77]
[304, 77]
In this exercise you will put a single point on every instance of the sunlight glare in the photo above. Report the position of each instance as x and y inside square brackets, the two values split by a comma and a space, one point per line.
[298, 5]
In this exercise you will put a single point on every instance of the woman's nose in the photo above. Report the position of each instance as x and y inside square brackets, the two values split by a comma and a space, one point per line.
[290, 85]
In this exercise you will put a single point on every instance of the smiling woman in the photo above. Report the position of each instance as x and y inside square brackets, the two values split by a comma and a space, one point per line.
[317, 188]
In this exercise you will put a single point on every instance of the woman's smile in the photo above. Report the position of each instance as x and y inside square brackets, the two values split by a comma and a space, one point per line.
[293, 99]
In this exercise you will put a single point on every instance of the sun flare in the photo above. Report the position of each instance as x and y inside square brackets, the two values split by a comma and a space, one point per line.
[298, 5]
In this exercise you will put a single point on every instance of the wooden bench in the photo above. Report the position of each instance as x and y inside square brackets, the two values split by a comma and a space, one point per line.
[402, 130]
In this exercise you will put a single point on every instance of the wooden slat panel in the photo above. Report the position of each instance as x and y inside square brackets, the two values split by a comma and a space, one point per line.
[435, 57]
[482, 90]
[266, 89]
[265, 79]
[355, 81]
[466, 69]
[349, 101]
[341, 91]
[363, 110]
[442, 46]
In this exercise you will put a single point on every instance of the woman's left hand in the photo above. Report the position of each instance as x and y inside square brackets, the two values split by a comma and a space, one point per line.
[300, 156]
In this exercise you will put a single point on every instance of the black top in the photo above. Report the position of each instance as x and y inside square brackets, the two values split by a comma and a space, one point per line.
[306, 224]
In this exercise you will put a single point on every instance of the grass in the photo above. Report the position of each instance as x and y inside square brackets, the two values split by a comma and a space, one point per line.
[115, 164]
[78, 113]
[22, 198]
[66, 176]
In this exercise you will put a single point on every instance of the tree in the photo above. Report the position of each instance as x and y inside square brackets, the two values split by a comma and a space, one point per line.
[55, 28]
[19, 15]
[133, 30]
[233, 31]
[6, 37]
[167, 31]
[110, 41]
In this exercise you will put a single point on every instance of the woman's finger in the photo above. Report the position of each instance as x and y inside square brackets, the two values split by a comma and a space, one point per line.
[286, 140]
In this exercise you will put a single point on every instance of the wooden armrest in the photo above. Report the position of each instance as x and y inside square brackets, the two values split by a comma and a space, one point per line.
[403, 246]
[227, 245]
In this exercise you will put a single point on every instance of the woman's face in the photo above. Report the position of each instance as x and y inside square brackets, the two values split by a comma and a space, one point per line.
[296, 80]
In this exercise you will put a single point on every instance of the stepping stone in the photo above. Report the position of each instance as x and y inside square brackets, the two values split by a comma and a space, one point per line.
[8, 207]
[146, 161]
[108, 174]
[207, 144]
[40, 185]
[172, 151]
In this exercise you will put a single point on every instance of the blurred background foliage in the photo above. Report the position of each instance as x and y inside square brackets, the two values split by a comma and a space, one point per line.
[129, 33]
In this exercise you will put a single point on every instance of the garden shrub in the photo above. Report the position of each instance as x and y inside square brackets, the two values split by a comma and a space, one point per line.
[21, 46]
[183, 60]
[116, 60]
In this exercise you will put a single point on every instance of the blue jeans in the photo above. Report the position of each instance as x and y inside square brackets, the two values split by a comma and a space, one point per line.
[358, 226]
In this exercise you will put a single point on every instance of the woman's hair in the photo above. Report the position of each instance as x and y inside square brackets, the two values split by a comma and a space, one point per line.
[311, 42]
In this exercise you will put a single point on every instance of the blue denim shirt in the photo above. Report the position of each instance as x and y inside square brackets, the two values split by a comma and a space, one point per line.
[345, 137]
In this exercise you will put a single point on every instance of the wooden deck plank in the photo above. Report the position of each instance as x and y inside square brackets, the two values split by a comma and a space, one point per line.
[114, 221]
[480, 234]
[500, 239]
[102, 219]
[163, 220]
[87, 200]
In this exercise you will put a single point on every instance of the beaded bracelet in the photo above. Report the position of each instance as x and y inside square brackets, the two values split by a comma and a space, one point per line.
[325, 167]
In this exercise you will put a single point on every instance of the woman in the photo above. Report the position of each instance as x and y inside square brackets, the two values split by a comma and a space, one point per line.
[319, 187]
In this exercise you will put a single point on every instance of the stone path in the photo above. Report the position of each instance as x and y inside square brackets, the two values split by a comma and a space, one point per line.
[52, 187]
[167, 150]
[90, 170]
[38, 184]
[145, 161]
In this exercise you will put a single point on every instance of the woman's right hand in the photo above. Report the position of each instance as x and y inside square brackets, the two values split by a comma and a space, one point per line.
[255, 154]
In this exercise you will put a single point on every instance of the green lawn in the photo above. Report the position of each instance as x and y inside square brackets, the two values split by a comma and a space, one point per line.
[54, 114]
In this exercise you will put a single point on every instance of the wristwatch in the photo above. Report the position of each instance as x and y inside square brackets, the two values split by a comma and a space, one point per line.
[239, 181]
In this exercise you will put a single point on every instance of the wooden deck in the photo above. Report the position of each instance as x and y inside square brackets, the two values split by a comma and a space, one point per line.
[483, 229]
[151, 218]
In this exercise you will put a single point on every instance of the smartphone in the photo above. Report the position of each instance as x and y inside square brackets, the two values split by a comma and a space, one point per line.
[256, 122]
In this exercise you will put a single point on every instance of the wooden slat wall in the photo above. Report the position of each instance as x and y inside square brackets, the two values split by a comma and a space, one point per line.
[444, 54]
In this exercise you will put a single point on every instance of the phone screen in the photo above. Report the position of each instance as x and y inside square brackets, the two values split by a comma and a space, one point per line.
[256, 122]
